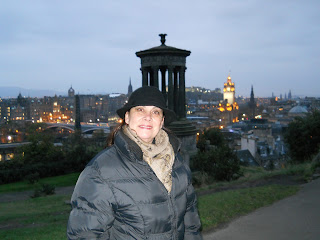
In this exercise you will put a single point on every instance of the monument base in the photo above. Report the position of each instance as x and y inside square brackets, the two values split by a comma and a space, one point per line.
[187, 133]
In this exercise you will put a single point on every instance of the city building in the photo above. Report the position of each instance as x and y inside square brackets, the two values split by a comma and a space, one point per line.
[229, 91]
[229, 107]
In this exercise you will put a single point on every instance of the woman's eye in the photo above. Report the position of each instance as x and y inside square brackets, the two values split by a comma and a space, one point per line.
[156, 112]
[139, 109]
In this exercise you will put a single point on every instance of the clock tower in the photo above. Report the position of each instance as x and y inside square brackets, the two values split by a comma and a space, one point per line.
[229, 107]
[229, 91]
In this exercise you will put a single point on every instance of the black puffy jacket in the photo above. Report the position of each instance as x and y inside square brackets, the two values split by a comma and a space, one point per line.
[118, 196]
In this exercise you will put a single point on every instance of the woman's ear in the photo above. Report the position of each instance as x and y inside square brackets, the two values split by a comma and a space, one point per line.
[126, 117]
[162, 122]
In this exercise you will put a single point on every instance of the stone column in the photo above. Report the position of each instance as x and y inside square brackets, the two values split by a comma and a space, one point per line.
[182, 93]
[144, 77]
[151, 77]
[175, 92]
[155, 71]
[170, 88]
[77, 124]
[163, 83]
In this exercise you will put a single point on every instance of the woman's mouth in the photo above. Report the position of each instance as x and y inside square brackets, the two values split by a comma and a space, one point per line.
[145, 126]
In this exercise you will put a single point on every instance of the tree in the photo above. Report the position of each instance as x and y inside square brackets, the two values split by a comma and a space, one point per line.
[41, 148]
[79, 151]
[218, 160]
[37, 158]
[41, 158]
[214, 136]
[303, 137]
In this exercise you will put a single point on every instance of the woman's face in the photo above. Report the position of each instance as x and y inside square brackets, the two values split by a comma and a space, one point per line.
[146, 121]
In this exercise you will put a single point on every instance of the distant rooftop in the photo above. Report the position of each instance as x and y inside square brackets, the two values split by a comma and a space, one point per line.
[298, 109]
[113, 95]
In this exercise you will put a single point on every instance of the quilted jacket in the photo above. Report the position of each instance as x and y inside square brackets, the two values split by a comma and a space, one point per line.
[118, 196]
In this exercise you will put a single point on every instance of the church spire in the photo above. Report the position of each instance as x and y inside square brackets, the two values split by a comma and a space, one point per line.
[129, 87]
[252, 94]
[252, 104]
[289, 95]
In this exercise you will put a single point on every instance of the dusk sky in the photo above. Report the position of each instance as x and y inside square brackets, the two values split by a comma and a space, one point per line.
[91, 45]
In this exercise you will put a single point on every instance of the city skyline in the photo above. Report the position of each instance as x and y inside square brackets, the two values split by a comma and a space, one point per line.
[272, 45]
[14, 92]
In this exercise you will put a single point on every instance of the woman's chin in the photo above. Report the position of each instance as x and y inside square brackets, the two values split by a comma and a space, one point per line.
[147, 139]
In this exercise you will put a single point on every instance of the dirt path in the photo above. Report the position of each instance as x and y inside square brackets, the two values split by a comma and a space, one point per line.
[19, 196]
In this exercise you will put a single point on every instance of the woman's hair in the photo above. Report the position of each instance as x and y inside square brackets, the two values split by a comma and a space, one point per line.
[110, 139]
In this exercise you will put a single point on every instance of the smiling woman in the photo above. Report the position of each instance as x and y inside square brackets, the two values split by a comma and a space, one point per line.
[139, 187]
[146, 121]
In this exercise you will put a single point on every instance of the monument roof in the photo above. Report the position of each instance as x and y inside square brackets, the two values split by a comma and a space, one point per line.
[163, 49]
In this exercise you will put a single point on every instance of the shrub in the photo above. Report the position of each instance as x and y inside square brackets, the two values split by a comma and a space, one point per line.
[36, 193]
[48, 189]
[33, 178]
[220, 163]
[200, 178]
[43, 190]
[303, 137]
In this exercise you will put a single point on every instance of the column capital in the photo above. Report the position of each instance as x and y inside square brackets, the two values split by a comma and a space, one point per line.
[171, 68]
[182, 68]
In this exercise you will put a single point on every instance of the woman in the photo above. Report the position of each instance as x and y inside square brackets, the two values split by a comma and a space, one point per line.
[139, 187]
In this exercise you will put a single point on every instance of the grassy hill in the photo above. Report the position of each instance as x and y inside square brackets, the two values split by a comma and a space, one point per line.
[219, 203]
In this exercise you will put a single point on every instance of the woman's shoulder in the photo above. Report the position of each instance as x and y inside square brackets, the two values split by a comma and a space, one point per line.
[106, 158]
[108, 162]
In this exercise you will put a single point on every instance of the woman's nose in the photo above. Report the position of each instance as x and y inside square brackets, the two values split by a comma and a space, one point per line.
[148, 116]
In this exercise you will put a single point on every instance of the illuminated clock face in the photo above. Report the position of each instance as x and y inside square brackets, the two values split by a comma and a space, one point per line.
[228, 89]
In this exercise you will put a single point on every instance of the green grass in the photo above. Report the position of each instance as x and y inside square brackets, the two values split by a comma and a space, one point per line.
[46, 217]
[222, 207]
[249, 174]
[256, 173]
[38, 218]
[59, 181]
[51, 232]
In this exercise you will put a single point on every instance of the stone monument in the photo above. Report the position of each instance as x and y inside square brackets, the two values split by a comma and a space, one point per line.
[170, 62]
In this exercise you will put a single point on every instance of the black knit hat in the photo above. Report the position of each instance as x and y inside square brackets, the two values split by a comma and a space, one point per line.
[147, 96]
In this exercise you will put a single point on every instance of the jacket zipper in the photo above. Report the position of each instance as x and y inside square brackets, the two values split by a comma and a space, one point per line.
[174, 225]
[170, 201]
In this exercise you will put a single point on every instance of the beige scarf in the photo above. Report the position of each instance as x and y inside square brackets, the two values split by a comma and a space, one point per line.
[159, 156]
